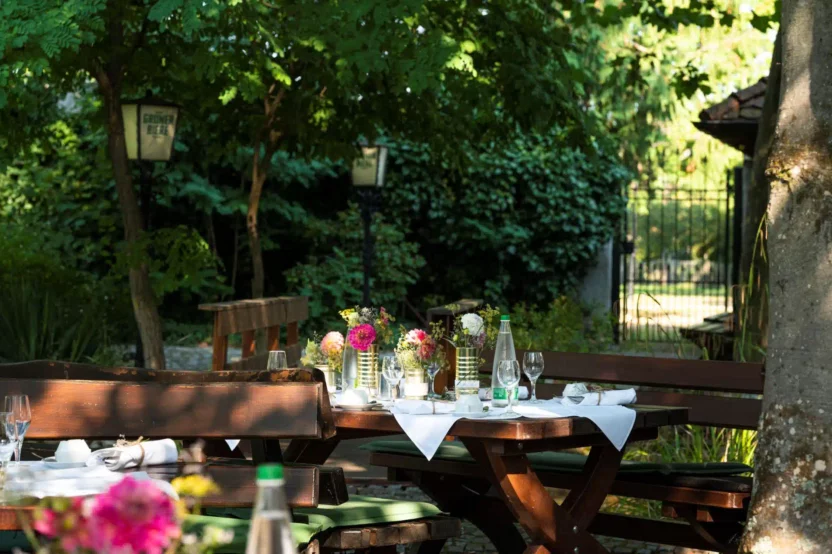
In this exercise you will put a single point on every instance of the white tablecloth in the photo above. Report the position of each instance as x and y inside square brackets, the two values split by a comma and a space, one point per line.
[427, 423]
[616, 422]
[36, 480]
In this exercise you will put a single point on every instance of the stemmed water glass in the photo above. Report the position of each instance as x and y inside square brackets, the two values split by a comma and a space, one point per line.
[21, 416]
[277, 360]
[508, 374]
[393, 372]
[533, 368]
[433, 371]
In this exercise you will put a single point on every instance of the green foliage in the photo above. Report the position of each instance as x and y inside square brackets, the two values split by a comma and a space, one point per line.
[521, 222]
[563, 326]
[47, 309]
[332, 276]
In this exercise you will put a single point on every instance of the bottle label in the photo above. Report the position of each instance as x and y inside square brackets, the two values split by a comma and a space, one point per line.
[500, 394]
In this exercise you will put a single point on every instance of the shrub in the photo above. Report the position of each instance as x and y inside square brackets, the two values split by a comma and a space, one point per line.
[565, 325]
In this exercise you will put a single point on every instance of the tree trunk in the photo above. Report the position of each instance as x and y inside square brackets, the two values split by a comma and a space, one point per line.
[258, 178]
[141, 291]
[791, 512]
[754, 281]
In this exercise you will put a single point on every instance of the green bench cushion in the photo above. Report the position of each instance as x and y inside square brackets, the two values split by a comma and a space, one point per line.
[564, 462]
[302, 532]
[358, 511]
[367, 510]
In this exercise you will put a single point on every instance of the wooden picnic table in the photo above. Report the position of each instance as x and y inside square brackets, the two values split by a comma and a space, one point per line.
[502, 446]
[306, 486]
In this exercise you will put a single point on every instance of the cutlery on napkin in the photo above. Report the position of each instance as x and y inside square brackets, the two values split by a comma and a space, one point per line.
[601, 398]
[143, 454]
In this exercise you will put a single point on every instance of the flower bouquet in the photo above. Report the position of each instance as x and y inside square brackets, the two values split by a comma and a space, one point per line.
[131, 517]
[416, 350]
[326, 355]
[472, 332]
[368, 329]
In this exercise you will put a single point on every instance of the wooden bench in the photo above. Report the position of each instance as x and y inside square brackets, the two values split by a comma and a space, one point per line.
[247, 317]
[81, 400]
[715, 335]
[712, 505]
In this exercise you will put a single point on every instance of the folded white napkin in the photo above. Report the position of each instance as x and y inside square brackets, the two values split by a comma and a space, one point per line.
[603, 398]
[485, 393]
[147, 454]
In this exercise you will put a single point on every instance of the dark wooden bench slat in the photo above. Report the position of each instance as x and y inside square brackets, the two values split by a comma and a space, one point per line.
[652, 487]
[655, 372]
[705, 409]
[106, 409]
[437, 528]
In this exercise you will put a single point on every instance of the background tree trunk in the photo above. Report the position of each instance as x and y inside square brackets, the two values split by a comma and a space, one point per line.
[141, 291]
[754, 281]
[258, 179]
[791, 512]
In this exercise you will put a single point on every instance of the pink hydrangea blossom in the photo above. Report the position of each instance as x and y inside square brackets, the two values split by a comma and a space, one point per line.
[416, 337]
[133, 517]
[332, 343]
[361, 337]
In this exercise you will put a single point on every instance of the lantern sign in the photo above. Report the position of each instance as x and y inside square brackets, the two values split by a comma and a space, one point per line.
[149, 128]
[369, 168]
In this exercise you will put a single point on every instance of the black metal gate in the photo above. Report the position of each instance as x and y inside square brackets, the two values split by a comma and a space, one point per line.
[678, 261]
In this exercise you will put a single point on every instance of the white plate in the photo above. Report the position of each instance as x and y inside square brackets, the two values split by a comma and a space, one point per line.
[359, 407]
[52, 464]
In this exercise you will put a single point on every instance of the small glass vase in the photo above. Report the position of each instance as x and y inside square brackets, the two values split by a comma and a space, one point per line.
[415, 381]
[368, 373]
[331, 377]
[467, 380]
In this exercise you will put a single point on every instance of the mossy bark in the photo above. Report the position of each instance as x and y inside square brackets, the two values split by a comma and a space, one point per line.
[790, 511]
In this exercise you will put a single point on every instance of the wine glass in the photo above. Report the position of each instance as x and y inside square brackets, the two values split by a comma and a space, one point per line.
[18, 406]
[393, 372]
[508, 374]
[277, 360]
[433, 371]
[533, 368]
[7, 445]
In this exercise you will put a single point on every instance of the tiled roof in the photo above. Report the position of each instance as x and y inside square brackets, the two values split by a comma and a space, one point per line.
[734, 120]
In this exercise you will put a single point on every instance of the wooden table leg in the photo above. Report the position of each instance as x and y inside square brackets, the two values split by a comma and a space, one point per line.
[301, 451]
[551, 527]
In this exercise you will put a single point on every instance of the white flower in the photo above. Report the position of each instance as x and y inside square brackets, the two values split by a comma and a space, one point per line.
[420, 30]
[473, 324]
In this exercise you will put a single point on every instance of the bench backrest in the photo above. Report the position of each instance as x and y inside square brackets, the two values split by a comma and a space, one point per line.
[249, 316]
[721, 394]
[80, 400]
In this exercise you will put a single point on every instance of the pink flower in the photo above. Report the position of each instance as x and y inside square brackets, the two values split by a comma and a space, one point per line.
[133, 517]
[362, 336]
[384, 316]
[416, 337]
[332, 343]
[426, 349]
[69, 526]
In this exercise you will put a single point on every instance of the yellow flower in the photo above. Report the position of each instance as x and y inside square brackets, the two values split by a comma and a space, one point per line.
[195, 486]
